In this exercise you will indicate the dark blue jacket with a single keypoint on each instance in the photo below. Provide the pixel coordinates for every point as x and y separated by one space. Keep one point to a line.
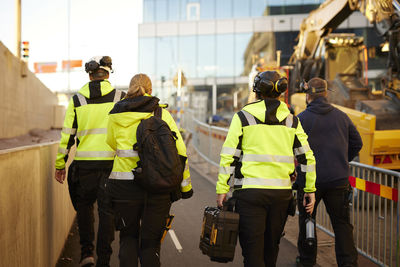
334 140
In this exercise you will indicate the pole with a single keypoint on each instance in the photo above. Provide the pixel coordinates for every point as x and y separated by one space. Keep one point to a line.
183 107
18 27
69 44
214 99
235 99
278 58
179 97
209 148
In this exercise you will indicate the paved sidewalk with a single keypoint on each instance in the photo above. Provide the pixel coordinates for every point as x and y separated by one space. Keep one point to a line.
187 230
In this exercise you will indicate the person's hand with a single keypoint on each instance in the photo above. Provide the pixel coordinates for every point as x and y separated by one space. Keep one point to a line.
60 176
221 199
309 206
293 176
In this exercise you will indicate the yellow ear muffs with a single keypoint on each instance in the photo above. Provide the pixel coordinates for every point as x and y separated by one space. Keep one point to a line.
281 85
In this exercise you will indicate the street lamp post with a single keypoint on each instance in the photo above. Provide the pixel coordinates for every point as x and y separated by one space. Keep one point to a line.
18 27
179 97
69 45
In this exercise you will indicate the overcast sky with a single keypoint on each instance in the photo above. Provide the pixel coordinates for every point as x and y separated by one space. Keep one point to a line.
97 27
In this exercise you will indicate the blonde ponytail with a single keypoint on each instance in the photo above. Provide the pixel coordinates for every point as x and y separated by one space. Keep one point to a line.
140 84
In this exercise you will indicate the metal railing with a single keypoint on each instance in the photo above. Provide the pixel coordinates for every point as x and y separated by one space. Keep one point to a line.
210 137
374 211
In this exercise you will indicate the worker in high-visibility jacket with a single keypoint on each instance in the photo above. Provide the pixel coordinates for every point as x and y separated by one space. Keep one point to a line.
85 122
140 214
257 159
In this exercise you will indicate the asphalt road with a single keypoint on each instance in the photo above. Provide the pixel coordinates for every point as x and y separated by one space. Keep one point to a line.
187 228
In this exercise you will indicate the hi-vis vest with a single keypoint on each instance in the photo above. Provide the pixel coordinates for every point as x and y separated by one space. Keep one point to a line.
86 119
122 126
260 149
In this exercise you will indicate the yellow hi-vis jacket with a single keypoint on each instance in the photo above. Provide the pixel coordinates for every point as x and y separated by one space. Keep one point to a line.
260 149
86 119
123 122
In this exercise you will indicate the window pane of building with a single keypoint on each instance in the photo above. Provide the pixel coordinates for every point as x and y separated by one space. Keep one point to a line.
224 9
275 3
296 2
147 57
148 10
307 2
173 10
207 9
225 55
206 56
257 8
241 8
193 11
187 55
241 42
291 7
285 41
166 62
161 10
182 14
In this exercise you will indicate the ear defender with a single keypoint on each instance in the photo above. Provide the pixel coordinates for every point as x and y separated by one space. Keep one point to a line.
95 63
281 85
267 85
264 85
91 66
256 81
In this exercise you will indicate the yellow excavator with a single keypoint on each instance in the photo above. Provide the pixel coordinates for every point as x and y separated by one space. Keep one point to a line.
342 60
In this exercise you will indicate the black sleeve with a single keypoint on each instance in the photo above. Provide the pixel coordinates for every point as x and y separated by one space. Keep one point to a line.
355 141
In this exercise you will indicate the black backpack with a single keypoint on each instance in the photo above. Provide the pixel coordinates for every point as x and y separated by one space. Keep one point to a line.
160 168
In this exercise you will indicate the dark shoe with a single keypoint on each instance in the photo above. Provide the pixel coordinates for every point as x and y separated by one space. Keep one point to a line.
300 264
87 261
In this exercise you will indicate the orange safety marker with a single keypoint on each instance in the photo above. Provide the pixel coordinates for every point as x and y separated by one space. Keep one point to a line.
213 135
374 188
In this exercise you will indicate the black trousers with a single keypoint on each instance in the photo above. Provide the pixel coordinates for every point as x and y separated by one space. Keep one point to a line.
263 214
336 201
86 187
141 222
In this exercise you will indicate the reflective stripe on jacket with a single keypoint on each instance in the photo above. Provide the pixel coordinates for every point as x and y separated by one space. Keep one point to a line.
121 136
86 119
260 149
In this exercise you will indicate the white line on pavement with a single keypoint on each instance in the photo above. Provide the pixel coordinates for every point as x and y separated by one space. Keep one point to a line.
175 240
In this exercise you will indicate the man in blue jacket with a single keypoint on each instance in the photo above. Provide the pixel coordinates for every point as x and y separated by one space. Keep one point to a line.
335 141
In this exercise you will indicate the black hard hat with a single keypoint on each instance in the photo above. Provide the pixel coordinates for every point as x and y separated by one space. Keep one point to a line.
95 63
270 84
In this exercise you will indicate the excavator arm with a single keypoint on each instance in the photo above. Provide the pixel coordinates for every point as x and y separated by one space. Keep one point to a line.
318 24
330 14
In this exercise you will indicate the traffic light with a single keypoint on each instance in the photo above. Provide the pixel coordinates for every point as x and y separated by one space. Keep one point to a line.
25 50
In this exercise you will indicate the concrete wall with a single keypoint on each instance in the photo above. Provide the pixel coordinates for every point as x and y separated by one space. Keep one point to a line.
35 210
26 103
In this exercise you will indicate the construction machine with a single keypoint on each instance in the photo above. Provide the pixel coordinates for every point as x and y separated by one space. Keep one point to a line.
342 60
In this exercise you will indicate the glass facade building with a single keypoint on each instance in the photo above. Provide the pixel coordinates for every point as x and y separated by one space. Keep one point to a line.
214 42
213 54
182 10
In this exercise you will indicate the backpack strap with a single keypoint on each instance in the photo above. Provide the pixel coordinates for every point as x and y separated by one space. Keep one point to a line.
158 112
